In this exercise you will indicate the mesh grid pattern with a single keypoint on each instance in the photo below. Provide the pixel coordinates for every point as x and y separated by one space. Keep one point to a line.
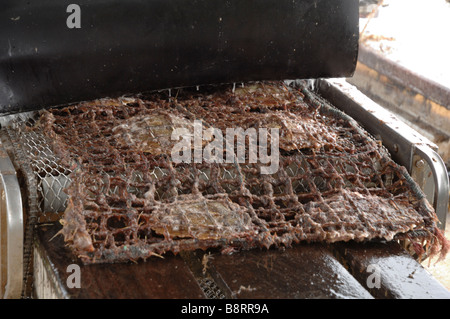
33 155
210 289
127 200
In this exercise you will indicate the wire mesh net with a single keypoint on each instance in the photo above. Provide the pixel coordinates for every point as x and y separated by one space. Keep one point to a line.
109 166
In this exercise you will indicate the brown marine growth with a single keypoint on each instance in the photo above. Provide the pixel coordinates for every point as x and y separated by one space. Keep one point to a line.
128 200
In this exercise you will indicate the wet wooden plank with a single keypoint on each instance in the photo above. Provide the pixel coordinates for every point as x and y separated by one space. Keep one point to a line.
166 278
304 271
388 271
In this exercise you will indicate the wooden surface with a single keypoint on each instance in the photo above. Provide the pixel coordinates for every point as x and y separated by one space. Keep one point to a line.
158 278
303 271
401 277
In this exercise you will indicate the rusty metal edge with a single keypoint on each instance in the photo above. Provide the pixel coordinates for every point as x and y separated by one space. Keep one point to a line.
414 81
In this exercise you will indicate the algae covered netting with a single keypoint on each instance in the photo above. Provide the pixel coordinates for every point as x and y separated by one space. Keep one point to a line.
274 165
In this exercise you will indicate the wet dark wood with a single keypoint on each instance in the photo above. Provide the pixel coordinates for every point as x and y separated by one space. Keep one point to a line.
305 271
156 278
342 270
400 275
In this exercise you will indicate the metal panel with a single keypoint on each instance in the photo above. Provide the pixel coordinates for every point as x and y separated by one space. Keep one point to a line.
440 192
11 222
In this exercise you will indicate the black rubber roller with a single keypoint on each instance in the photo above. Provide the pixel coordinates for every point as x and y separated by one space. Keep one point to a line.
53 54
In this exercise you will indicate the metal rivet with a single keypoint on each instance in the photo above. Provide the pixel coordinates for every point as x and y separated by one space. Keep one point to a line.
420 163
